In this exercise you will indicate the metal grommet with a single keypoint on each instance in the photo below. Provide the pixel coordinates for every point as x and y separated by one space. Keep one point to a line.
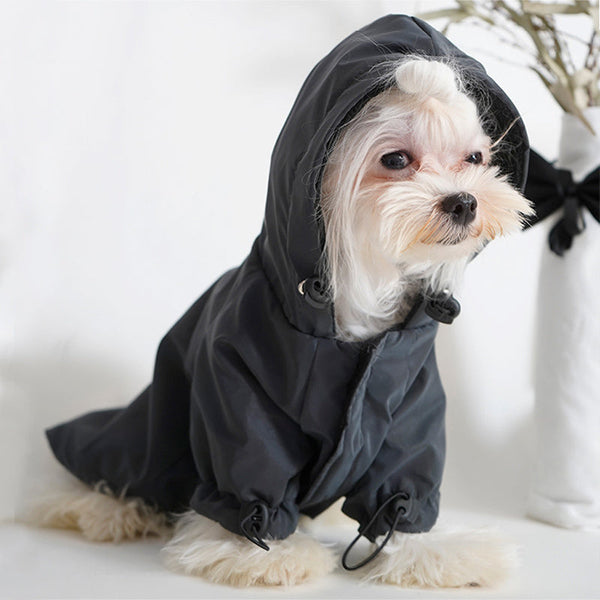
301 287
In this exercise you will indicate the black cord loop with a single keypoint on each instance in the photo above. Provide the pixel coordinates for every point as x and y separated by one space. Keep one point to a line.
254 523
402 506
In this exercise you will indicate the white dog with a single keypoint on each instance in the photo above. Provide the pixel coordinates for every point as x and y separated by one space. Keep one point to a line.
410 193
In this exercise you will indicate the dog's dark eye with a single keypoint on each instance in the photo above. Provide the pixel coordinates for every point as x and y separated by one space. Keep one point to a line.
396 160
475 158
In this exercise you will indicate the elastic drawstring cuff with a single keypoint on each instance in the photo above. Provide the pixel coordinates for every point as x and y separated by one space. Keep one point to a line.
254 522
400 506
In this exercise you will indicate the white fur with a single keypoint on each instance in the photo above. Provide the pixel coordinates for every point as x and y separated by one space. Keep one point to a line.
443 559
202 547
427 79
101 517
387 239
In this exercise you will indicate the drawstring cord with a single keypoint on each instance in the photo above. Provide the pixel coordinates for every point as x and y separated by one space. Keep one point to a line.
402 506
254 524
255 521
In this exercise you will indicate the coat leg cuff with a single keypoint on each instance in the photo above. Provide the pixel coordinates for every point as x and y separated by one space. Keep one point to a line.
253 518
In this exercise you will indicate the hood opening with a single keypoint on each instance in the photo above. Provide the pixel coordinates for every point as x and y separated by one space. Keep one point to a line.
291 242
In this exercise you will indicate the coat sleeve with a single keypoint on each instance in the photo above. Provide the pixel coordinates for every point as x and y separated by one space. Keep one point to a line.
246 448
410 462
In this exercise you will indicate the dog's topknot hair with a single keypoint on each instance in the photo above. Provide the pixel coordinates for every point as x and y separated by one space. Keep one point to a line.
427 79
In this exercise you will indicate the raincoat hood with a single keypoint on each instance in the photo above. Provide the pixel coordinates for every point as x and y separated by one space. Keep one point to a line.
291 242
256 413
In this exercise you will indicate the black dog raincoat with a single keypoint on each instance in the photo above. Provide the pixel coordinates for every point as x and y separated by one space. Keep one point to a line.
256 413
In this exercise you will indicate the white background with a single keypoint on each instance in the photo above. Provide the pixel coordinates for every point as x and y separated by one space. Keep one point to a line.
134 149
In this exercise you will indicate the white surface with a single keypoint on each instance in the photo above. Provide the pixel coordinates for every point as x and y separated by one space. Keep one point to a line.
134 152
58 564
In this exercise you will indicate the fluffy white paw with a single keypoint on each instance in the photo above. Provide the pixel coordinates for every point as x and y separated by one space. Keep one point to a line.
204 548
99 516
444 559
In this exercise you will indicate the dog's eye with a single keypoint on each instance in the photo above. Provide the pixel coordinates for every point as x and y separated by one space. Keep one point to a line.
396 160
475 158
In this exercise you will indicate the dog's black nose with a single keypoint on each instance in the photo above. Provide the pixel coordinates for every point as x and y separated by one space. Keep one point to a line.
462 207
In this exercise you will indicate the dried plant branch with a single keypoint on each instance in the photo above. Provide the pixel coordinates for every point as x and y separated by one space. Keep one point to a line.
553 8
572 87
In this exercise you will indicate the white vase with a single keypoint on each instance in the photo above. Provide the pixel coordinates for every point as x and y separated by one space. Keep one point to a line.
566 480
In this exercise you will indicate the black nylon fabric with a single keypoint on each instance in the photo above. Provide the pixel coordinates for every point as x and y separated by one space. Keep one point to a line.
252 397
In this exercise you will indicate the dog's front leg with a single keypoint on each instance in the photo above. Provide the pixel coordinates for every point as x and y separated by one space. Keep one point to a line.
443 559
202 547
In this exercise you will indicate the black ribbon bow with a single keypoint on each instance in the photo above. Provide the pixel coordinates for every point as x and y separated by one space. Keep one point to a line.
550 189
